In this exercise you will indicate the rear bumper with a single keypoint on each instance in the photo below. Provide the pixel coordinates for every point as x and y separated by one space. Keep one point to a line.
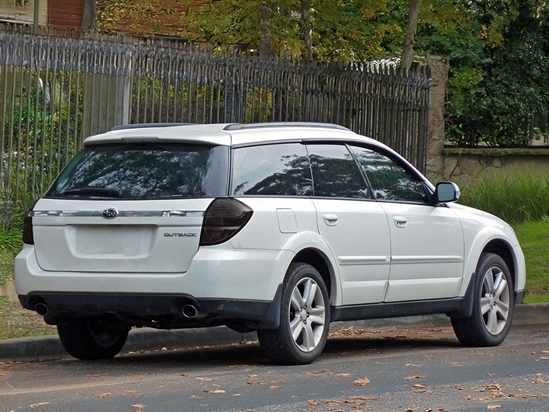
164 311
216 273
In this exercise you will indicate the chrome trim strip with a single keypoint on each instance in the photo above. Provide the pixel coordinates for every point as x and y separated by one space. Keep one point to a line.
122 213
401 260
362 260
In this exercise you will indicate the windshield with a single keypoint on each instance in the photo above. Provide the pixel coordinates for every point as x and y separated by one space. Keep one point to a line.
144 171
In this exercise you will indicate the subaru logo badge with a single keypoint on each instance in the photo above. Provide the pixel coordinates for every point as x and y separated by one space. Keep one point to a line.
109 213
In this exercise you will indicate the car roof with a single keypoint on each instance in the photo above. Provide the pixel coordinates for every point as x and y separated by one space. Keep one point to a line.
227 133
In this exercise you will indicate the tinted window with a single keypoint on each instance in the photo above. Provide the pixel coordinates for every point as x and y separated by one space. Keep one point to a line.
147 171
388 179
279 170
335 173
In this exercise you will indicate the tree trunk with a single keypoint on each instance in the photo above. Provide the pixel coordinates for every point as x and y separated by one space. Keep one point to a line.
307 28
411 28
266 37
89 16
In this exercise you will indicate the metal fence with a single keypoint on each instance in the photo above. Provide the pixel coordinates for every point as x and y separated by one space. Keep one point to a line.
57 90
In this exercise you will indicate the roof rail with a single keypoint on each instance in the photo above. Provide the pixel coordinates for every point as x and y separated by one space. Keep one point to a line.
146 125
246 126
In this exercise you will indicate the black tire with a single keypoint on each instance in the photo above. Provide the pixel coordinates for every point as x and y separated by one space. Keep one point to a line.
307 315
92 338
493 305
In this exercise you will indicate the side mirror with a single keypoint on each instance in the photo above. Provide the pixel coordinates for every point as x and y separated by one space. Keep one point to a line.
447 192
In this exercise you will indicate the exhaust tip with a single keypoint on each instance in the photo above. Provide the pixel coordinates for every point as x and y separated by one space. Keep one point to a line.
189 311
41 309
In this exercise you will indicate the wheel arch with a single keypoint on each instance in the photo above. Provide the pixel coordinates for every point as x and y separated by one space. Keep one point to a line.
505 251
320 262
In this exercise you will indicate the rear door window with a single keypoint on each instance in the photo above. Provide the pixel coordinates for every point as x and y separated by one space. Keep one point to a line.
145 171
272 170
335 172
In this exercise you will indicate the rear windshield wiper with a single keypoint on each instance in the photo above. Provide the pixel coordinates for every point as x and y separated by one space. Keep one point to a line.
92 191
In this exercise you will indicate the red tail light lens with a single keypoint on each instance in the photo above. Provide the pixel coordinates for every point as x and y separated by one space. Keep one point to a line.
28 236
223 219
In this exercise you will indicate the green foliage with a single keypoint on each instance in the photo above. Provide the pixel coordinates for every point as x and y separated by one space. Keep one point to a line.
534 240
522 197
46 120
499 86
342 30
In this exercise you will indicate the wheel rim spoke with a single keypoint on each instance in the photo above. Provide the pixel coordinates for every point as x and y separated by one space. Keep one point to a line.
309 341
297 299
489 282
316 315
296 326
501 287
492 322
307 314
485 305
310 293
494 303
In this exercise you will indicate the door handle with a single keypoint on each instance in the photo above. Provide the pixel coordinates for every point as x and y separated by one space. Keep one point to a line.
400 221
330 219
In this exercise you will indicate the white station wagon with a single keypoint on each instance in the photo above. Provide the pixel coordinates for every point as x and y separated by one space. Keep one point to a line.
280 228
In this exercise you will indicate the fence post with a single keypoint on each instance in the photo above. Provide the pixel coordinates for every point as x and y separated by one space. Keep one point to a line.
435 142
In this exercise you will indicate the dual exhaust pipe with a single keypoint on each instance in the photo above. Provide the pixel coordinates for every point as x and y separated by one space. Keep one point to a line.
189 311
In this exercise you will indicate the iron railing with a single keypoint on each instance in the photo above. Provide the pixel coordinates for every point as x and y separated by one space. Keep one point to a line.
56 90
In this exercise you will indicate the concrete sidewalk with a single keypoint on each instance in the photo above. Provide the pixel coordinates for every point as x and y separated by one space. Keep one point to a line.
49 347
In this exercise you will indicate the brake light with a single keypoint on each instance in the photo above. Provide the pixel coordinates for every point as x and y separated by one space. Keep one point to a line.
28 236
223 219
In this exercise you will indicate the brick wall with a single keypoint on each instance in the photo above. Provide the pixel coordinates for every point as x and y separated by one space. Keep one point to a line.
65 14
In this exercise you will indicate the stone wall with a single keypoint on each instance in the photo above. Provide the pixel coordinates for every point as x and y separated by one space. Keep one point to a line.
464 166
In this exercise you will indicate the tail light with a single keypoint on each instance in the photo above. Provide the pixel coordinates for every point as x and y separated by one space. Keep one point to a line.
28 236
223 219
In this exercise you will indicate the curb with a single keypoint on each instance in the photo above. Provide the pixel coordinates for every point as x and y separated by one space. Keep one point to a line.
49 347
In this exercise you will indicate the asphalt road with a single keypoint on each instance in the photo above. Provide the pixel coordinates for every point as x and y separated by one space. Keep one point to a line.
401 369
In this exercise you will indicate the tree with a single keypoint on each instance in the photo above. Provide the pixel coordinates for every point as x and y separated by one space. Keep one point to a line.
89 16
411 28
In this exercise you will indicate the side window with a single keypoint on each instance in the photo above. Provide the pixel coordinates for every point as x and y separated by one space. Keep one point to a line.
273 170
335 172
388 179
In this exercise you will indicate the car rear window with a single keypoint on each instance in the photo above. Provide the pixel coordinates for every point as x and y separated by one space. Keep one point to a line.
145 171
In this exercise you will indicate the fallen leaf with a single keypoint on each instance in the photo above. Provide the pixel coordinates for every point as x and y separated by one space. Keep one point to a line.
104 395
37 405
129 392
412 365
256 383
274 387
493 407
422 388
139 406
362 398
362 382
409 378
205 379
312 402
236 395
214 391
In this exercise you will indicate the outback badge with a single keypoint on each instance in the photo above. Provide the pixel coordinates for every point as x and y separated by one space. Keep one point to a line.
109 213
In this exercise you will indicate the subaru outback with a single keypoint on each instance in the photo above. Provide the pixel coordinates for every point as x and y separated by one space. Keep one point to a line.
279 228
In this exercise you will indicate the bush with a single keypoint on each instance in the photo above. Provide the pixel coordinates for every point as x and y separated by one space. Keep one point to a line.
521 197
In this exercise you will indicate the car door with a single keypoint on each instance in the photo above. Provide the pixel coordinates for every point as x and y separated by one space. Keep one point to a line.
427 250
354 225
